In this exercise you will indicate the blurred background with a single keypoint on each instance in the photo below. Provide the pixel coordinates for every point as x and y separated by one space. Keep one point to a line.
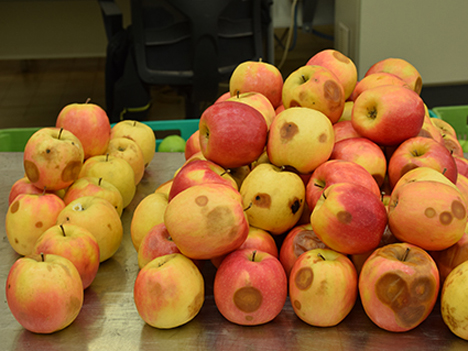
53 52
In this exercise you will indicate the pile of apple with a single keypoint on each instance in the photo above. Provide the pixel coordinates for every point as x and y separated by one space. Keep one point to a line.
64 215
320 186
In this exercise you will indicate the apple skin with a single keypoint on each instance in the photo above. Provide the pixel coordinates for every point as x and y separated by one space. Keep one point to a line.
44 292
53 158
401 68
257 76
207 220
462 186
429 214
338 171
429 130
364 152
443 126
349 218
169 291
274 199
453 307
452 144
341 65
423 173
378 111
259 101
130 151
298 240
74 243
462 165
140 133
28 217
315 87
199 172
24 186
192 146
157 242
89 123
250 287
398 288
323 287
420 151
301 138
232 134
345 130
99 217
93 186
375 80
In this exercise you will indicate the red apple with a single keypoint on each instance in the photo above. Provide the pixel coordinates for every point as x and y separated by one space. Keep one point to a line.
452 144
345 130
24 186
232 134
250 287
157 242
462 165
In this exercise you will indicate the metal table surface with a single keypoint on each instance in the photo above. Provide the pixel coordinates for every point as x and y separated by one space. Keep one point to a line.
109 319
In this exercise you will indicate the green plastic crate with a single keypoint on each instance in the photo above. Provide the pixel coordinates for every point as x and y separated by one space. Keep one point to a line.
15 139
456 116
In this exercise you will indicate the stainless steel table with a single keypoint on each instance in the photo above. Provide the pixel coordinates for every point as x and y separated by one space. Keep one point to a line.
109 319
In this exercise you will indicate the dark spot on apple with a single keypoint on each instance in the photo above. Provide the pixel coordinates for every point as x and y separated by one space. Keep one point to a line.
218 219
262 200
71 171
16 241
201 200
445 218
323 138
304 278
392 290
294 103
14 207
344 217
429 212
74 304
196 304
295 206
458 209
31 170
48 151
248 299
249 318
306 240
288 131
423 289
109 226
39 224
297 304
340 57
333 94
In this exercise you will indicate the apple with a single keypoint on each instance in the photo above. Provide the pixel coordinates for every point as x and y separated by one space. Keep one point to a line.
315 87
349 218
398 286
444 127
207 220
199 172
452 144
53 158
453 307
24 186
323 287
239 174
402 69
89 123
435 221
298 240
172 143
462 186
259 101
462 165
28 216
157 242
429 130
129 151
232 134
338 171
99 217
376 79
345 130
169 291
260 77
140 133
93 186
148 213
74 243
388 114
273 198
279 109
301 138
250 287
341 65
364 152
192 146
44 292
420 151
115 170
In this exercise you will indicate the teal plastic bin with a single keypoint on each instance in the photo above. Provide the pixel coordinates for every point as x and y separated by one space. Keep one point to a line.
456 116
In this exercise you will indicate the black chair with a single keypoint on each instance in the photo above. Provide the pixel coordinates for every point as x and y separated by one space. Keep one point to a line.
192 45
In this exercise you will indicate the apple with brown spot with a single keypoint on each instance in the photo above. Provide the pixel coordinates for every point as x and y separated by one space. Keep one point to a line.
349 218
388 114
250 287
53 158
74 243
429 214
376 79
169 291
315 87
44 292
301 138
323 287
398 286
28 217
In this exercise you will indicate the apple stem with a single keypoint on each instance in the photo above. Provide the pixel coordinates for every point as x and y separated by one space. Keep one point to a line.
318 185
238 93
42 256
303 78
253 255
60 133
87 100
134 123
324 196
99 181
250 205
225 172
63 230
107 157
321 256
405 255
445 170
260 59
415 153
44 191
